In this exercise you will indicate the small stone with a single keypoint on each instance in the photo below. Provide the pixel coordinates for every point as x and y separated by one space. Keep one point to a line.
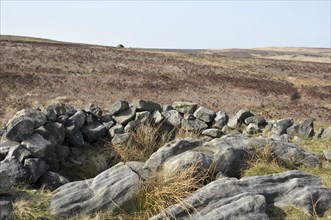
212 132
143 105
125 116
95 110
118 107
121 138
220 120
185 107
204 114
116 129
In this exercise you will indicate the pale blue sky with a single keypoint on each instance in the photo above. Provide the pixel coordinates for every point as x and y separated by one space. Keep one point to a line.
172 24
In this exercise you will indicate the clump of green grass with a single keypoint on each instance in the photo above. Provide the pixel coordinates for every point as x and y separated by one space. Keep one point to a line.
32 204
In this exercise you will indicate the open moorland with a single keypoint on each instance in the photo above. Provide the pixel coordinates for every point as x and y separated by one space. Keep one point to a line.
172 134
277 82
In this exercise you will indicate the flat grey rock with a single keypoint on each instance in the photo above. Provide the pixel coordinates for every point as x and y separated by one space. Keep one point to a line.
289 152
112 190
169 150
118 107
283 189
176 164
194 125
185 107
143 105
212 132
125 116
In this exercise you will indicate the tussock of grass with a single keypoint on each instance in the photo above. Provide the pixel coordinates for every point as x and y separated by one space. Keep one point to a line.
182 133
32 204
159 192
144 141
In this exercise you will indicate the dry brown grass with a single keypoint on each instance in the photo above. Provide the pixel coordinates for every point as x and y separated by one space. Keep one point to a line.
159 192
144 141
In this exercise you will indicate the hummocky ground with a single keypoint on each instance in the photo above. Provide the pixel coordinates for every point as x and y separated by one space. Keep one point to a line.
277 82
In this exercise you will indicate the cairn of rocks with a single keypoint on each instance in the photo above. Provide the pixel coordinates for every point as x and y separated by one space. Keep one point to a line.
36 144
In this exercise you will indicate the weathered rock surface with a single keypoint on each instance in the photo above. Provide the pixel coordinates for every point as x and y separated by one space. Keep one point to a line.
185 107
12 172
302 190
78 118
201 162
327 154
169 150
118 107
326 133
92 133
125 116
173 117
204 114
53 132
6 209
52 180
37 145
95 110
74 136
6 145
23 123
307 128
35 168
143 105
113 189
194 125
19 153
212 132
292 153
280 126
220 120
257 119
56 110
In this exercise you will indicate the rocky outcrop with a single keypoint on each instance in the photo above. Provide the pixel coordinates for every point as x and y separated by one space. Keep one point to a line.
248 197
36 145
113 189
